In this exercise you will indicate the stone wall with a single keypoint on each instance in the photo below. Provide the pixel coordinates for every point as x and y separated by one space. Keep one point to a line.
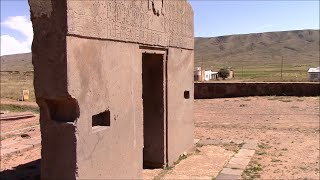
226 90
88 65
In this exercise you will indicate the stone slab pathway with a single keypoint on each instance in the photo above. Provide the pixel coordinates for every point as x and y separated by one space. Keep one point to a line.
239 162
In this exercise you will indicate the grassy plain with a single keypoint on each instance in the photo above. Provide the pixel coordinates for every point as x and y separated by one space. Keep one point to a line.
13 83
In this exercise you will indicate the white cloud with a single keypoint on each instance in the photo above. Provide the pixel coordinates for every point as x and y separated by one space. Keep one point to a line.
12 45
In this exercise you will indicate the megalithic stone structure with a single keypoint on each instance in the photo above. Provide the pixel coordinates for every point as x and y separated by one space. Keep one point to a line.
114 82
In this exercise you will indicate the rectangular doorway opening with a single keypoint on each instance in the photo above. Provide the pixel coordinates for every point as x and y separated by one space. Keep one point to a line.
153 111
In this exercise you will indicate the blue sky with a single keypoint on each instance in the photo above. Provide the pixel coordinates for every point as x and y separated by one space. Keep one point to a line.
217 18
212 18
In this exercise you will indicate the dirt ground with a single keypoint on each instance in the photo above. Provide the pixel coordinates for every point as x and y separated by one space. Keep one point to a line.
287 129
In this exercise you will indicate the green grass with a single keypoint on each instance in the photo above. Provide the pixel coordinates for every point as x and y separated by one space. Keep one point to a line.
264 146
12 84
269 73
252 171
275 160
260 153
169 168
19 108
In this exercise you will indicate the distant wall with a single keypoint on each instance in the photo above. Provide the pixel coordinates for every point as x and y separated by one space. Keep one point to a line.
225 90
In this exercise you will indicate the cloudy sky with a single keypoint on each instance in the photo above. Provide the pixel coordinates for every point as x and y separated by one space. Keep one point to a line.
212 18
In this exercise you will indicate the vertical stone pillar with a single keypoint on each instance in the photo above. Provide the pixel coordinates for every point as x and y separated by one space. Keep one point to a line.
58 110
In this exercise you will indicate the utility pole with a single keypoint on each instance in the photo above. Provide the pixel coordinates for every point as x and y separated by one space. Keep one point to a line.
281 67
242 71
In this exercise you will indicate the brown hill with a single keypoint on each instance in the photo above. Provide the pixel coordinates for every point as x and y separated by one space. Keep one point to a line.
299 48
17 62
263 50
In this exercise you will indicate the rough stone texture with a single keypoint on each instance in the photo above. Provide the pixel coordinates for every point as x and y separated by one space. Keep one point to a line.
238 163
204 164
87 58
227 177
205 142
250 144
226 90
245 153
229 171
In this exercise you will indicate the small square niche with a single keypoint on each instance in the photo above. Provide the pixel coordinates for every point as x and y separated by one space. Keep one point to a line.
186 94
101 119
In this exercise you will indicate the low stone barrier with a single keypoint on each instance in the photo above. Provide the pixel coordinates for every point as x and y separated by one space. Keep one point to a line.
244 89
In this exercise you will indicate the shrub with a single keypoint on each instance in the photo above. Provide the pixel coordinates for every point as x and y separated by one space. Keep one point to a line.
224 73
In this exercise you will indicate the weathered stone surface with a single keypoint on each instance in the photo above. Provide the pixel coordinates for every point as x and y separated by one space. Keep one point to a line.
245 153
250 144
89 59
229 171
238 141
227 177
209 142
158 22
238 163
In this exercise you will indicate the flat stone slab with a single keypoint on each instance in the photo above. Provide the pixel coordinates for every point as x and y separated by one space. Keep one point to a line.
204 164
20 147
229 171
250 144
226 141
227 177
238 163
238 141
245 153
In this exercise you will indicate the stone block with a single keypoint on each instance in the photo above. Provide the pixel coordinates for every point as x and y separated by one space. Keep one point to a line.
114 83
229 171
245 153
227 177
238 163
205 142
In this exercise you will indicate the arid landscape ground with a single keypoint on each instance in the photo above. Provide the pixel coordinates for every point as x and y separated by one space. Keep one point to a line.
286 128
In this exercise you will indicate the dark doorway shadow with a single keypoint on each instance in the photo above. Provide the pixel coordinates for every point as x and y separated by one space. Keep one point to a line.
29 170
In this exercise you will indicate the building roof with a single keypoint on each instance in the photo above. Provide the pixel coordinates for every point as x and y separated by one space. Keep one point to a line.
314 70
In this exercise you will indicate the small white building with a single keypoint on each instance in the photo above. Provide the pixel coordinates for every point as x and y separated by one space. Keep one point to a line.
314 74
208 75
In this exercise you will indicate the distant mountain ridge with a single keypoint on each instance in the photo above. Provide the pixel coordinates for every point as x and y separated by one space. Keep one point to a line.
297 47
17 62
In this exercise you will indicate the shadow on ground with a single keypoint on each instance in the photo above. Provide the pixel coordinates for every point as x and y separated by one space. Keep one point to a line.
29 170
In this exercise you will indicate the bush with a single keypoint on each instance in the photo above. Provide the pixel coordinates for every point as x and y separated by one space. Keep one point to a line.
224 73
